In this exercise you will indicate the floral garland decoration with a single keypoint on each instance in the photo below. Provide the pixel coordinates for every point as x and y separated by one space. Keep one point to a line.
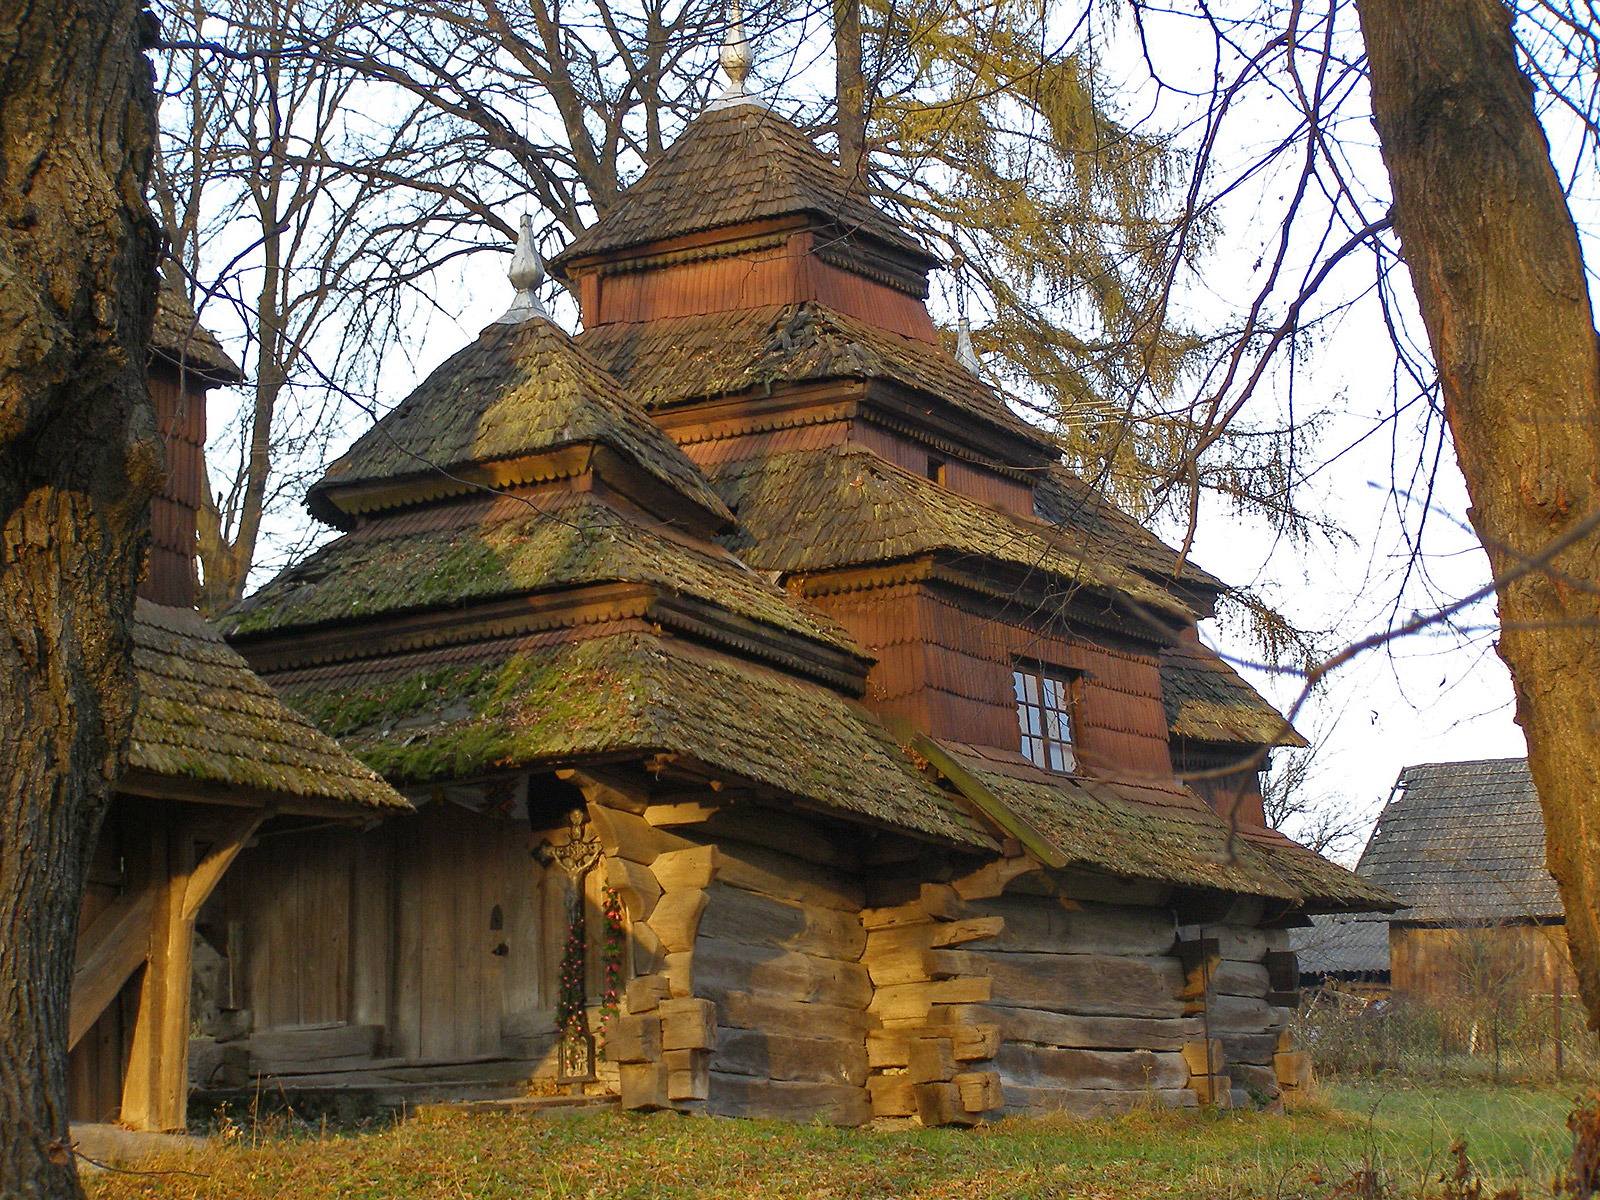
570 1002
611 958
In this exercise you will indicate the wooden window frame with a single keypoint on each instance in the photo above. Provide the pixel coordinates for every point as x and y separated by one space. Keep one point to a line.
1047 701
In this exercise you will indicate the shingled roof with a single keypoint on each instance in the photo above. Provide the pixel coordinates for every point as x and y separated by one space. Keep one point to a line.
674 360
487 547
730 166
1062 497
550 700
1152 830
1208 701
1463 842
204 717
178 339
844 505
518 390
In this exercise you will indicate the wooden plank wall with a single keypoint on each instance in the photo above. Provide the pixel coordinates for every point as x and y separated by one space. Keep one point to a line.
1430 965
712 452
98 1062
440 931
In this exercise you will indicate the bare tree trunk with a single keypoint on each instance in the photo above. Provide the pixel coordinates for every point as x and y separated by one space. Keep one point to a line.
850 86
79 460
1499 277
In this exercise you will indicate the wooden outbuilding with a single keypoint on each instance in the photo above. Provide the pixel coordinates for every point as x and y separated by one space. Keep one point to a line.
789 727
216 763
1461 845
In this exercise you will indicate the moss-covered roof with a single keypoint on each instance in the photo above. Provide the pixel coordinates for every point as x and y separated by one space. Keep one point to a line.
731 166
178 339
1208 701
840 506
1327 886
1162 832
1062 498
479 549
679 359
518 390
205 717
546 700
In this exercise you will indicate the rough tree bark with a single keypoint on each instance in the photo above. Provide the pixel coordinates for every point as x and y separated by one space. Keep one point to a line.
1499 277
850 89
79 460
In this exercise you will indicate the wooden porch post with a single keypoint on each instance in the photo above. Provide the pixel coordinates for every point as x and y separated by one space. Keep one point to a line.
155 1091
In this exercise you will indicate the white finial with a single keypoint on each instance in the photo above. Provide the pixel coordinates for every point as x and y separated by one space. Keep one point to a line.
736 58
526 274
965 354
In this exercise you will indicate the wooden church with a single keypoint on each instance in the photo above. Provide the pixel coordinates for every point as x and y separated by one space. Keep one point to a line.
790 733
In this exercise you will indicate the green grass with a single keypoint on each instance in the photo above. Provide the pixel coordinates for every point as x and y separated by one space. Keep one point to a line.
1514 1136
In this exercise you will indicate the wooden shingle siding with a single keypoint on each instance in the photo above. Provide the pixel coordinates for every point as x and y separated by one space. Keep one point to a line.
785 274
181 418
989 487
713 452
951 665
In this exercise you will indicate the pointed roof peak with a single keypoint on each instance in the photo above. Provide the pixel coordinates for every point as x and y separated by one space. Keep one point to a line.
734 164
524 389
526 274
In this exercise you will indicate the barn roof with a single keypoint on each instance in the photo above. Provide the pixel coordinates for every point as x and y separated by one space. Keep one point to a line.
844 505
550 699
1463 842
204 717
731 166
1208 701
178 339
518 390
674 360
1343 944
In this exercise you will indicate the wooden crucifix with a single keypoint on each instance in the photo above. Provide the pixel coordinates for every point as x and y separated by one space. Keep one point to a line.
576 857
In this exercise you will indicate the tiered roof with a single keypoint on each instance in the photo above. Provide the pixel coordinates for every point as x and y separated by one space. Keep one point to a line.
1208 701
431 696
675 360
733 166
846 506
621 691
491 414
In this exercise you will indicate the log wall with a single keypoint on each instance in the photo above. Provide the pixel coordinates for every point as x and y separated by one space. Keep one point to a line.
1243 984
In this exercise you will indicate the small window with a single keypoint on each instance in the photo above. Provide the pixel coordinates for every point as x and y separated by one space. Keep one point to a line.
936 470
1044 713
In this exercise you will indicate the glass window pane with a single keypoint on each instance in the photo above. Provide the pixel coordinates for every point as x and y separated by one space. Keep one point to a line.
1031 682
1052 697
1017 683
1059 759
